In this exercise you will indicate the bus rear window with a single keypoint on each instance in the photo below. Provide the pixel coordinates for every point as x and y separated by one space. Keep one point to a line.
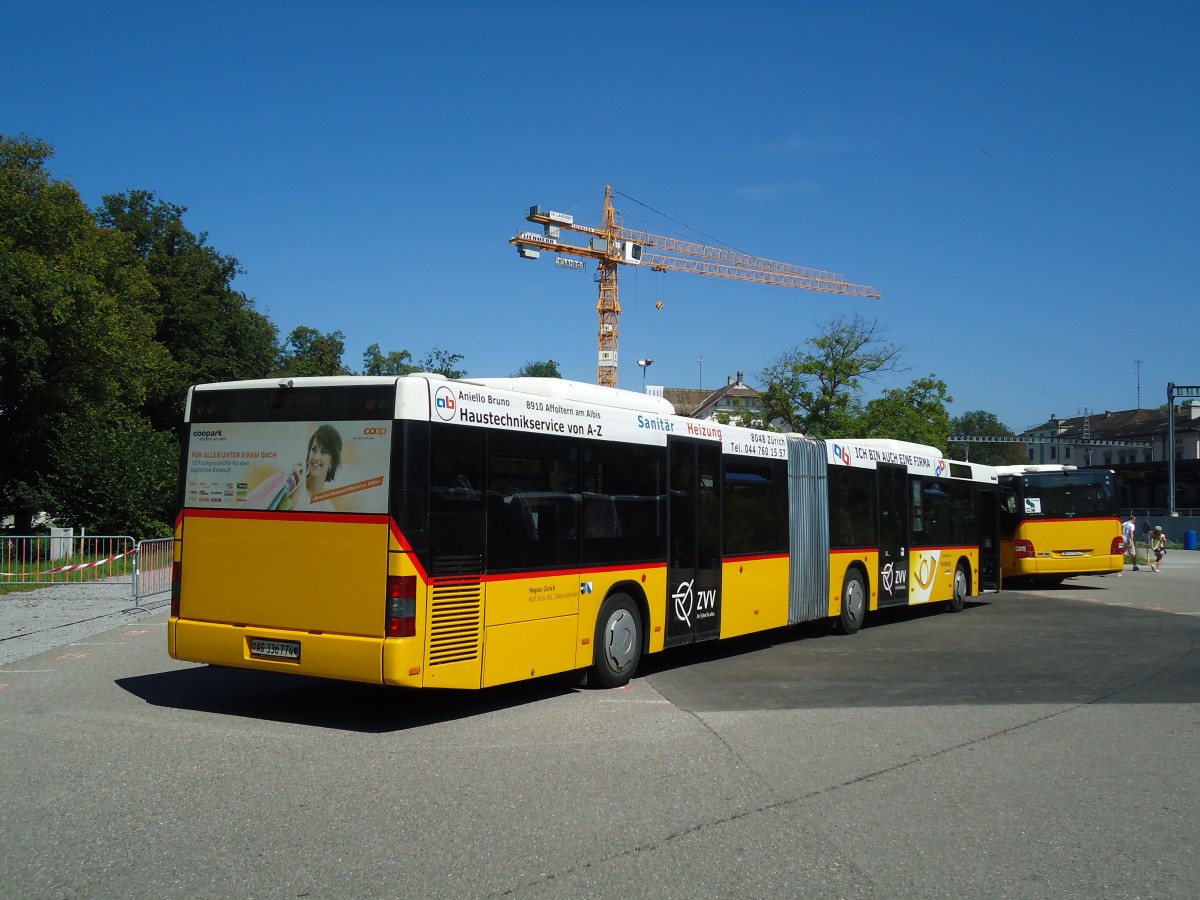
294 404
1069 494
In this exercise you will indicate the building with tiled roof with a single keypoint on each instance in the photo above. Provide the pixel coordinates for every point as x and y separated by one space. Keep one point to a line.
734 403
1116 440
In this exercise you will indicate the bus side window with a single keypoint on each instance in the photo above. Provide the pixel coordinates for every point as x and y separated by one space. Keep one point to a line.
623 502
852 507
533 504
456 497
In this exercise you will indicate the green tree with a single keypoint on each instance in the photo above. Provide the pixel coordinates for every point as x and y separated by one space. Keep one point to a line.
914 413
75 331
308 352
396 362
211 330
546 369
443 362
812 388
112 473
979 423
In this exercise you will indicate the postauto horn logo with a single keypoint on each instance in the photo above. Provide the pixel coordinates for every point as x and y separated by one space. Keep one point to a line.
443 402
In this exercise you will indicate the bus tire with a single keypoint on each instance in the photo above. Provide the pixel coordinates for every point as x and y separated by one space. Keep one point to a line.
618 644
962 590
854 604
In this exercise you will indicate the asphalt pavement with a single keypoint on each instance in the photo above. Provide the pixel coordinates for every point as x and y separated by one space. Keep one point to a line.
1039 743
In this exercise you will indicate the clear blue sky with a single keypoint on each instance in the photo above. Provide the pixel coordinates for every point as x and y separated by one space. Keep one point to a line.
1019 179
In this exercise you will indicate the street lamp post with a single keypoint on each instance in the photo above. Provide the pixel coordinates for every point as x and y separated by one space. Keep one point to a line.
645 364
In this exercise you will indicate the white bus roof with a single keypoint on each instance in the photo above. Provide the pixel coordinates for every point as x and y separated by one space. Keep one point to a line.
595 394
556 388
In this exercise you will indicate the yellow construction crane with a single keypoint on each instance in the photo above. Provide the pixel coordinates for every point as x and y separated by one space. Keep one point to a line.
612 245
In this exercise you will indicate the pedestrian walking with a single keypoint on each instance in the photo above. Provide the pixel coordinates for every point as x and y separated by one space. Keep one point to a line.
1129 532
1158 544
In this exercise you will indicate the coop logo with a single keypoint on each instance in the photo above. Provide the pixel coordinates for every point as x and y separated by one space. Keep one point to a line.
842 453
374 431
443 402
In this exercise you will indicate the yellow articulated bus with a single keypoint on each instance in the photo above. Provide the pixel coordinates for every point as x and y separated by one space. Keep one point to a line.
423 532
1058 522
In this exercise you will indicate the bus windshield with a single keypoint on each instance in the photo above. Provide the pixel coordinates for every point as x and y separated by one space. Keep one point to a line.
1068 494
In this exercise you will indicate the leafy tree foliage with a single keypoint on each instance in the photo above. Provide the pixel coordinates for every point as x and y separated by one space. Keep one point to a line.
914 413
396 362
75 330
113 473
443 362
212 332
546 369
980 423
308 352
812 388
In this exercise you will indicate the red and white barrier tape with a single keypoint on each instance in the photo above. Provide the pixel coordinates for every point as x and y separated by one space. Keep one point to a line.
75 568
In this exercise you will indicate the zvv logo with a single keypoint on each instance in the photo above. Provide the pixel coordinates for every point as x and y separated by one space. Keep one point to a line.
895 578
683 602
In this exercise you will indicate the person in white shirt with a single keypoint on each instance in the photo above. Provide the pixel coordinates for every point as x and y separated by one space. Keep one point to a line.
1129 532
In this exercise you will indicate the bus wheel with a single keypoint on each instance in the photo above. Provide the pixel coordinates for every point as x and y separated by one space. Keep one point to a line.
618 641
962 590
854 604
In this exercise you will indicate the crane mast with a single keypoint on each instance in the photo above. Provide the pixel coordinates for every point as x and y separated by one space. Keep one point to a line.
613 245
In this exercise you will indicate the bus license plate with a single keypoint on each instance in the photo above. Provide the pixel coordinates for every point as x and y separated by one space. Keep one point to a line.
274 649
1071 553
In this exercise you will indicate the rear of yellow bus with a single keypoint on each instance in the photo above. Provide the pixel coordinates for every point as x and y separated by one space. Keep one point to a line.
1060 522
286 559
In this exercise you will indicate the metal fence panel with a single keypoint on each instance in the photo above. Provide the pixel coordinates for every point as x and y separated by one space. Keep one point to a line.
67 559
153 568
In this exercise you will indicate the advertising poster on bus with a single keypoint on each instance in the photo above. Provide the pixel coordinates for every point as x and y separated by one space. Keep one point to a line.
329 467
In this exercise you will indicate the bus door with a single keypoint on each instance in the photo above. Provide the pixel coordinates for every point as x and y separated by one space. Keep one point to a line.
893 535
694 522
989 540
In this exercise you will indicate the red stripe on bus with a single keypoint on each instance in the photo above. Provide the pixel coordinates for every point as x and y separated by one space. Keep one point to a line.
754 557
567 573
272 516
399 536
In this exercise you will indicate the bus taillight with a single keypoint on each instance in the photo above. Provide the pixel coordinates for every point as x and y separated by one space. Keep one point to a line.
176 582
1023 550
401 620
1118 546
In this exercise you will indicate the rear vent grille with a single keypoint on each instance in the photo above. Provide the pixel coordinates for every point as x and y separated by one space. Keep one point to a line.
456 619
